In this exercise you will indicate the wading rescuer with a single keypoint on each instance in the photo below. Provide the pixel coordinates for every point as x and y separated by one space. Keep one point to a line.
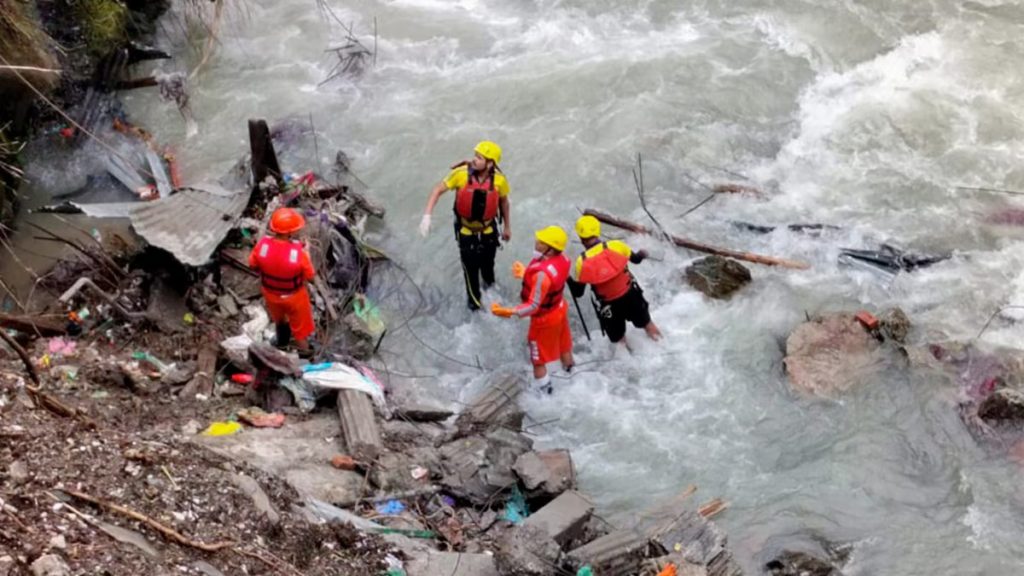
605 267
284 268
544 279
481 199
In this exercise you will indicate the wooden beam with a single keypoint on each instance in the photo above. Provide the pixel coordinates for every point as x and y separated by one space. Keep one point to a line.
699 247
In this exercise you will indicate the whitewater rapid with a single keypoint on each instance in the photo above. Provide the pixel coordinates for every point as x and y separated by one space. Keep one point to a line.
859 114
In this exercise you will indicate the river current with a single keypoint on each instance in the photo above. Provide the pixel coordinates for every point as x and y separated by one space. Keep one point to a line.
862 114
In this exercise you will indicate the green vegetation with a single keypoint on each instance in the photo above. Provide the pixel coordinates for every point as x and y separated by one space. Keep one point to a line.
105 23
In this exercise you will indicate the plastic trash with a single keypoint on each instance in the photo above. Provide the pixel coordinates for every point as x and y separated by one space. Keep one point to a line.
189 318
585 571
147 357
516 509
670 570
390 508
369 314
222 429
61 347
242 378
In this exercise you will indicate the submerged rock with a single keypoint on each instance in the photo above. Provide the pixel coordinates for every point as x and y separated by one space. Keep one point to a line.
717 277
1003 405
791 563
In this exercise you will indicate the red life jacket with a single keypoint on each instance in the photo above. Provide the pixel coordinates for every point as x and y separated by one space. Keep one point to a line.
557 270
477 202
608 272
280 265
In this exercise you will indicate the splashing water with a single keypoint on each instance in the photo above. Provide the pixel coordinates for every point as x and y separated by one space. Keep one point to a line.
864 115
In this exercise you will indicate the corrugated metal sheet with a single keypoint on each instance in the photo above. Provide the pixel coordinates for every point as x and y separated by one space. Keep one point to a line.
191 223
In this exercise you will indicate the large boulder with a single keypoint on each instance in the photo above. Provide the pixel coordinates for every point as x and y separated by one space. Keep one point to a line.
831 354
717 277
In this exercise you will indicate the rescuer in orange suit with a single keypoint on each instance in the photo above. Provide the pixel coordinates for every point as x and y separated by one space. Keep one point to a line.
605 267
544 279
284 268
481 199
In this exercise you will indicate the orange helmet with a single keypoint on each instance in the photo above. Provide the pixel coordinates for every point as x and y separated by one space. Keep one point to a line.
286 221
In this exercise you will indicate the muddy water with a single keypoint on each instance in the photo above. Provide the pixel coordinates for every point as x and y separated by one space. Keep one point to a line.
861 114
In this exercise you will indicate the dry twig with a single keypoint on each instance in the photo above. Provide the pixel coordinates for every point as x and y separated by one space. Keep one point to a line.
168 533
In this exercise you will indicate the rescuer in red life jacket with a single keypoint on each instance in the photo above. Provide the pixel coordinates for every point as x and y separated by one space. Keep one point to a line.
605 267
284 268
544 279
481 198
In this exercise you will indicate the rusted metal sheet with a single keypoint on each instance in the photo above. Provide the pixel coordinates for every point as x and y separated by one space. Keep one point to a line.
191 223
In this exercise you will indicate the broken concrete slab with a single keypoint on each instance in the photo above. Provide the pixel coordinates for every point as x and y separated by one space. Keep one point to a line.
618 553
477 468
359 425
452 564
698 540
564 517
400 433
549 472
393 472
496 406
417 412
300 453
527 551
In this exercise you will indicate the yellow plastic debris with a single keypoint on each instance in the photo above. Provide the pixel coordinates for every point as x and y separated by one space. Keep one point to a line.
222 429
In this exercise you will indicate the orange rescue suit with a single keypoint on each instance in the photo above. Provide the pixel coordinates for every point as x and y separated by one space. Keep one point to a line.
284 268
608 272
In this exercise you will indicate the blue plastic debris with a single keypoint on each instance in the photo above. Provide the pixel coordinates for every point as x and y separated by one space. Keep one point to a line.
390 508
516 510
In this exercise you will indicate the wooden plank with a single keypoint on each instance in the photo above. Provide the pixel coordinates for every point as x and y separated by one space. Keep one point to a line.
33 325
699 247
202 382
359 425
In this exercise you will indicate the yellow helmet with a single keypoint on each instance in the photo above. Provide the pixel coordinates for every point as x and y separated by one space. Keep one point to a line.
489 150
554 237
588 227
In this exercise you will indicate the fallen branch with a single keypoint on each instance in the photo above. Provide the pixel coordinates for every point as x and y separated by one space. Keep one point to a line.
38 396
29 324
712 508
692 245
168 533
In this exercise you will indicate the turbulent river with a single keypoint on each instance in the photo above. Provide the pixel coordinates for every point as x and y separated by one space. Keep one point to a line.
863 114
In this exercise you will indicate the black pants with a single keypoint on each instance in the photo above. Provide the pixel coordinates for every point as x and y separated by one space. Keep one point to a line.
477 252
632 307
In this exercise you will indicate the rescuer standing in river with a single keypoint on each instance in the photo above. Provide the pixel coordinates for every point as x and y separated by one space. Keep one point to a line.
481 199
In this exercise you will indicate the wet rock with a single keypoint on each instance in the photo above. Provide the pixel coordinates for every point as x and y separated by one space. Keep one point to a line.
1001 405
50 565
17 472
831 354
527 551
717 277
791 563
547 473
895 325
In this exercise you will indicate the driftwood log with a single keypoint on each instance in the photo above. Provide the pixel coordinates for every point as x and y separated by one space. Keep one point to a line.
699 247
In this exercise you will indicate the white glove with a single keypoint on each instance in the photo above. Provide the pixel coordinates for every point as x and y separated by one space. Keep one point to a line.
425 225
